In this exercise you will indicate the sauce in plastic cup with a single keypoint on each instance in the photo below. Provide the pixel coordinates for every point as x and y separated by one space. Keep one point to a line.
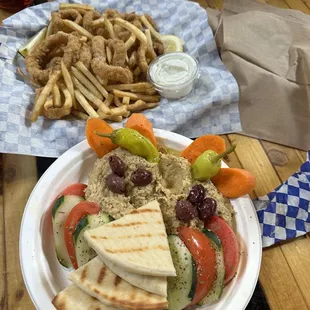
173 74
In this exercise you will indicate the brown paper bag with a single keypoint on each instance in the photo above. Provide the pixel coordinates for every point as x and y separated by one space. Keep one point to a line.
268 52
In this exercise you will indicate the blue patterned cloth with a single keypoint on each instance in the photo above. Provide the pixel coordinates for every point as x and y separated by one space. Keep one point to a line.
285 212
211 108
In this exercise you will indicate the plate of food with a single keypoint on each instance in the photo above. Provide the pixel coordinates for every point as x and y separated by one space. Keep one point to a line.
141 218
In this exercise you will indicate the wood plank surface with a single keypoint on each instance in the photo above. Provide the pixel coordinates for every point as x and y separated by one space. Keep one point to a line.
19 178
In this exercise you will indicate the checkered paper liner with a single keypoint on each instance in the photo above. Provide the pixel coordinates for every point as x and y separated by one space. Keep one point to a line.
285 212
211 108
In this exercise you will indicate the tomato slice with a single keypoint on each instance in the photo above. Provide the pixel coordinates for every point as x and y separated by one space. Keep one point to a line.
204 255
81 209
229 243
76 189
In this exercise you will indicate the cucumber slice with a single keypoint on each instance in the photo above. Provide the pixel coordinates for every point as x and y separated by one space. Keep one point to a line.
84 253
30 45
218 285
182 288
61 209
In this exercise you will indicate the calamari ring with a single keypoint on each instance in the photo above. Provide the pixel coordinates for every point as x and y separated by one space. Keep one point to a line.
57 19
88 19
118 50
158 47
101 68
85 55
36 61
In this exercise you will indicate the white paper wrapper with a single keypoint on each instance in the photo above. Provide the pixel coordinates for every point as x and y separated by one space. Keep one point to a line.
212 107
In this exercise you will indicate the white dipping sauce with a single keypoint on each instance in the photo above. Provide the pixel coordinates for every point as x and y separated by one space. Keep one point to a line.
173 74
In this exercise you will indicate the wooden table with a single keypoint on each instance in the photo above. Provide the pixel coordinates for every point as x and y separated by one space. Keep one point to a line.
285 270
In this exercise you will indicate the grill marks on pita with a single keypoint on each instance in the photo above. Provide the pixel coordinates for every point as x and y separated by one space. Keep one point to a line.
136 242
113 290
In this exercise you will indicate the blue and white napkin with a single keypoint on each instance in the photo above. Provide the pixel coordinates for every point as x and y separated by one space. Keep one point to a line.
285 212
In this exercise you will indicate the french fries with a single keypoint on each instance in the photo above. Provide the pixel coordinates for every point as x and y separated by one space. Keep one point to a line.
98 22
109 55
80 115
76 6
137 87
146 23
96 101
86 106
44 94
140 105
146 98
68 81
126 100
56 95
86 82
74 26
92 78
109 27
129 43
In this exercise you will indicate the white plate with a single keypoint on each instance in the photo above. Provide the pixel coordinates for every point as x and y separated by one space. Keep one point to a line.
45 277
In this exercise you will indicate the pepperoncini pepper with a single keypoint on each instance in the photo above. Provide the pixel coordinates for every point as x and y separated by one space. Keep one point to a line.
134 142
208 164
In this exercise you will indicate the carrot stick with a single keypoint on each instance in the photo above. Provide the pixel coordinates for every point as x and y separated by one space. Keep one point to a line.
234 182
139 122
204 143
100 145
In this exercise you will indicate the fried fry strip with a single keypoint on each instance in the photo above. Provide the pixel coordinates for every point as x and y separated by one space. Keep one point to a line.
126 100
114 118
148 37
87 7
119 111
133 29
86 82
146 98
44 94
109 27
117 101
80 115
109 55
86 106
96 101
49 103
149 26
140 105
98 22
92 78
72 25
136 87
68 81
129 43
57 98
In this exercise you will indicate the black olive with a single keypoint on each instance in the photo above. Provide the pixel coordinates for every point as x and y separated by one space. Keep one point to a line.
141 177
185 210
196 194
117 165
115 183
207 208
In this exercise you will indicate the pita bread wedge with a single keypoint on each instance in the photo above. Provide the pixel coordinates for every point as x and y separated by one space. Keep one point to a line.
97 280
136 242
152 284
74 298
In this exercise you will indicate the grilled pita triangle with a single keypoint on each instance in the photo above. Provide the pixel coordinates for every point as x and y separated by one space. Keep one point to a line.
136 242
152 284
74 298
97 280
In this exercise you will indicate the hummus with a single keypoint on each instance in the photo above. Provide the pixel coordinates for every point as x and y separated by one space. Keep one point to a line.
172 181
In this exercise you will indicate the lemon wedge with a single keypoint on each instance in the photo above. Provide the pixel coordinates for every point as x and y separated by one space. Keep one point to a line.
172 43
33 43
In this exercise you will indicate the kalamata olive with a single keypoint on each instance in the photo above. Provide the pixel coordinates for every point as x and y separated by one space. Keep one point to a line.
141 177
196 194
185 211
117 165
207 208
115 183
